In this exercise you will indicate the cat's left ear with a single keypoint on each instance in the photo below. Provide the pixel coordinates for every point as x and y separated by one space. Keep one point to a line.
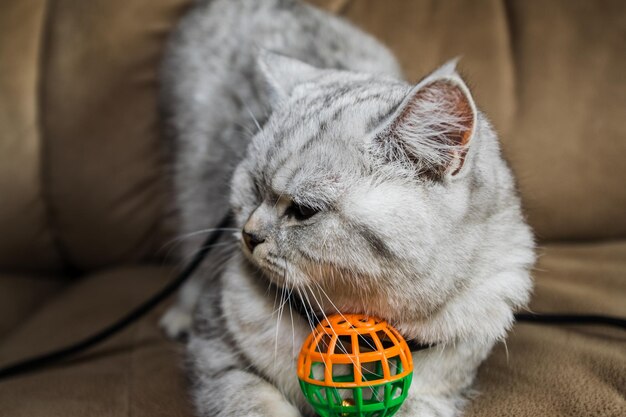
433 127
283 73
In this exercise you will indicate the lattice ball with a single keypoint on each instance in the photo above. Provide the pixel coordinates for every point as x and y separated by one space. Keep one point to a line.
355 366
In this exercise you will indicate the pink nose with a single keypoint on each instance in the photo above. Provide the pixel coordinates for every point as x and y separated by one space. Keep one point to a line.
252 240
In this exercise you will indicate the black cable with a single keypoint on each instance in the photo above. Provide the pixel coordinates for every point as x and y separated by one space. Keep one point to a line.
35 362
45 359
576 319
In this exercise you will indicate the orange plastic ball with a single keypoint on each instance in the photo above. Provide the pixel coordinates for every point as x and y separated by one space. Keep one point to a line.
355 365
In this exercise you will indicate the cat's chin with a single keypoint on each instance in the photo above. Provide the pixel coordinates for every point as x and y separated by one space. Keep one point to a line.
268 270
321 303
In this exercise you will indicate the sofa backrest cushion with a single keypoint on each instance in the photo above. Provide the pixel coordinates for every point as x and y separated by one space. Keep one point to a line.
26 241
550 75
82 183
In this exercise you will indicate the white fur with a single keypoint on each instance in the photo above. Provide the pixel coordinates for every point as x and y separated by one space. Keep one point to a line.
410 226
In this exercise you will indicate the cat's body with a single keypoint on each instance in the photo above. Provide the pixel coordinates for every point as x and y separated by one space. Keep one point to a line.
358 193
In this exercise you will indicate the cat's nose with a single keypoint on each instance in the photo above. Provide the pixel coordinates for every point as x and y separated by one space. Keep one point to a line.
251 240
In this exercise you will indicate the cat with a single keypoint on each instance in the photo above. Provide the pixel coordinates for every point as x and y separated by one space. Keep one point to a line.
350 189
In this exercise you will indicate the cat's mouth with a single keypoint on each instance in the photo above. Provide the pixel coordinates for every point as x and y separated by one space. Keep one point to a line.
310 287
272 267
311 301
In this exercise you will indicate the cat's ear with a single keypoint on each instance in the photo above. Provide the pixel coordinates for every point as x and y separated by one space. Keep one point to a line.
283 73
432 129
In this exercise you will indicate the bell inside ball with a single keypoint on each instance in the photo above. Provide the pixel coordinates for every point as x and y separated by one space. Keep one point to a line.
354 365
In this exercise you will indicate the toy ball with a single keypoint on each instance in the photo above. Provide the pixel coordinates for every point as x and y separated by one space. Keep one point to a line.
355 366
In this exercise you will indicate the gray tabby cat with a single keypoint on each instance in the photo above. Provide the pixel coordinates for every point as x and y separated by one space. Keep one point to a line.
357 193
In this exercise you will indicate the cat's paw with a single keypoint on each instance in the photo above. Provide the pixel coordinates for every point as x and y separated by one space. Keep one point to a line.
274 404
277 409
431 406
176 323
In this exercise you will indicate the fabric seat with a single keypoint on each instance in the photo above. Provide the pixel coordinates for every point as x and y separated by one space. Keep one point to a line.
138 372
548 370
21 295
541 370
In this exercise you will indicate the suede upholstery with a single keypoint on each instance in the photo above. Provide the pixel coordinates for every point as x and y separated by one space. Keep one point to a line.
27 242
541 371
84 195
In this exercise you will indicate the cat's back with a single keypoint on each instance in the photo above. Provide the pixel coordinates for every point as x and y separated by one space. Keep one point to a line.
211 56
213 95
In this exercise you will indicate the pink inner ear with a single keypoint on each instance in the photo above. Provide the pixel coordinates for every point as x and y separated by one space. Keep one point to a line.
434 128
451 99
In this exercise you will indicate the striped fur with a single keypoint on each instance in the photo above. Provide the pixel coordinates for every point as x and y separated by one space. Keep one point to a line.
407 210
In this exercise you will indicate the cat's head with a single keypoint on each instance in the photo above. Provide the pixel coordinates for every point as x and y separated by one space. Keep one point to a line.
371 195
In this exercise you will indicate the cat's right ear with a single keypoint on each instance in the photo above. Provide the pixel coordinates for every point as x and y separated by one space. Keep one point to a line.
283 73
432 129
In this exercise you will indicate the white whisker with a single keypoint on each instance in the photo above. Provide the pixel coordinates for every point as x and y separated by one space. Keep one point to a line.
337 309
256 122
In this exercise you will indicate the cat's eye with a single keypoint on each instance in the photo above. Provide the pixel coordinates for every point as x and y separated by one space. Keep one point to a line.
300 212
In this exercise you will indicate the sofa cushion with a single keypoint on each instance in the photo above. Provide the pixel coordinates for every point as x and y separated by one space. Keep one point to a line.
135 373
105 170
26 241
82 176
21 295
81 171
542 370
572 370
549 75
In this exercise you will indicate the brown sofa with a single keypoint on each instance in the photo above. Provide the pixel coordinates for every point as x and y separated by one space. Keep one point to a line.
83 199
